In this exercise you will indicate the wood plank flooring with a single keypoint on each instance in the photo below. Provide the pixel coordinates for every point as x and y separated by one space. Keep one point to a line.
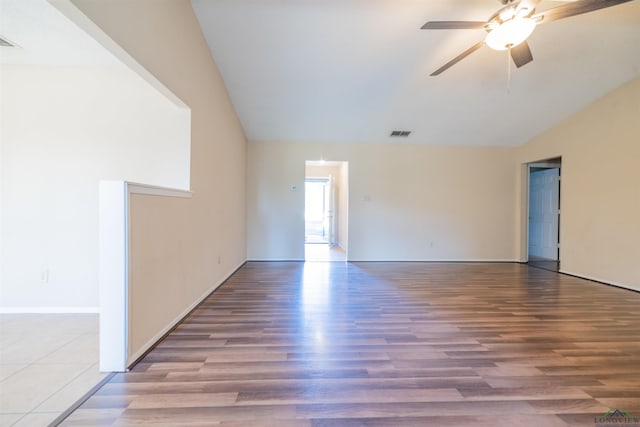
387 344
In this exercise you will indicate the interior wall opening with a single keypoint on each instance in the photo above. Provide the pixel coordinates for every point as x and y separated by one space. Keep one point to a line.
326 210
317 211
543 237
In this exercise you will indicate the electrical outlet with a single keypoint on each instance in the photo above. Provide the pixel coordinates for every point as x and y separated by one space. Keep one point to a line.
44 275
219 259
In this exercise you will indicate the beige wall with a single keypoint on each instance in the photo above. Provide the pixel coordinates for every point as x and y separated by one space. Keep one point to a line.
320 171
176 243
600 190
406 202
411 202
63 130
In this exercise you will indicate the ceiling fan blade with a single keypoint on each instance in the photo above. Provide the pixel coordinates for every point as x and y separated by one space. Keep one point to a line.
521 54
575 8
458 58
453 25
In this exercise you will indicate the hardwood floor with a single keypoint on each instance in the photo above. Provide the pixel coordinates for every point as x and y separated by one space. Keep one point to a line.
387 344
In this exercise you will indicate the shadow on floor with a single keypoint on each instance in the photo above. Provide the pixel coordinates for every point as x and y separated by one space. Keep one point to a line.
545 264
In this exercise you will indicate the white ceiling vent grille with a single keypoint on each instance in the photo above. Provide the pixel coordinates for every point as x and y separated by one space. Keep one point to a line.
400 133
5 43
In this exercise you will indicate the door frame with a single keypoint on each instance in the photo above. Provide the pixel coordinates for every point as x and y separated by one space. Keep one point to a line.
325 182
341 179
550 163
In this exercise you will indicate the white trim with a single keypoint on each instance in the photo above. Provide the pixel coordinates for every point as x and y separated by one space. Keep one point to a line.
113 274
114 217
433 260
524 215
387 260
608 282
49 310
154 190
153 340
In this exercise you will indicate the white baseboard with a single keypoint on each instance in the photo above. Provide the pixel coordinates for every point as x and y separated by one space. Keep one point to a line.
596 279
49 310
157 337
430 260
388 260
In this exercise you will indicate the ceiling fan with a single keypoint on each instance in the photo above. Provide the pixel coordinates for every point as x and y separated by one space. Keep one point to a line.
510 27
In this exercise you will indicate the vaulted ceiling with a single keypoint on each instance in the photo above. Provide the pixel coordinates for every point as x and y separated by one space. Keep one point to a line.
354 70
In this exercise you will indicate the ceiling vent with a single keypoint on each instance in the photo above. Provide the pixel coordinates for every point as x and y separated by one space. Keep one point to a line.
5 43
400 133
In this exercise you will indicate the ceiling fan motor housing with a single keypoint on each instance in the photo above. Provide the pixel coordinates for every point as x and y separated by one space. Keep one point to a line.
513 23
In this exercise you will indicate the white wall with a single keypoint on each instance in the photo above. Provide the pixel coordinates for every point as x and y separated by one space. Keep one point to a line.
64 129
600 189
406 202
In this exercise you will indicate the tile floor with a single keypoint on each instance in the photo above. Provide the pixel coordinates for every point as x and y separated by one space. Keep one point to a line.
47 363
323 252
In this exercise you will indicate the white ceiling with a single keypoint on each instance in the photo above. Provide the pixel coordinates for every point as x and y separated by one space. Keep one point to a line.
44 36
353 70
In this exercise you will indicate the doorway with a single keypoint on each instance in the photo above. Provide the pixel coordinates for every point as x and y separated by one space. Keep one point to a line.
317 210
326 210
544 214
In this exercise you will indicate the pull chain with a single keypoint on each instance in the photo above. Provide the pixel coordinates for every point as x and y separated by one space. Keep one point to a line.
509 70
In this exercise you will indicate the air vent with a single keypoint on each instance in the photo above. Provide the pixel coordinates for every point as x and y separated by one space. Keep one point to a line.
6 43
400 133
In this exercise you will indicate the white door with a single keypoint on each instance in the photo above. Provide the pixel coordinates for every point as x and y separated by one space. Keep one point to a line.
544 192
330 211
315 211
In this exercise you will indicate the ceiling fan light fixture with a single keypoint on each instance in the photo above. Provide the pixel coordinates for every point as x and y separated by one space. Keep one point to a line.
510 33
